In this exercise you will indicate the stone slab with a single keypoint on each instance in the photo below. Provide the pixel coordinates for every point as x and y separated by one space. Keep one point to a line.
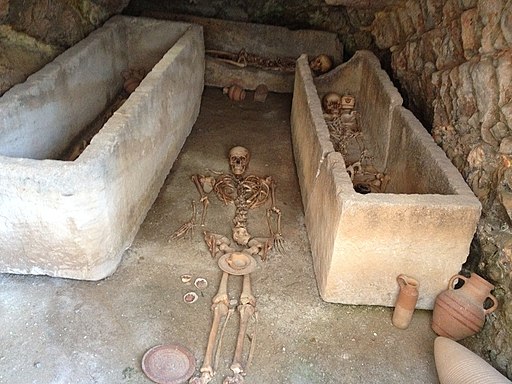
360 243
75 219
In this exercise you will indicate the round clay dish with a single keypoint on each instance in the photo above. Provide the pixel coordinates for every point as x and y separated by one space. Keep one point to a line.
237 263
168 364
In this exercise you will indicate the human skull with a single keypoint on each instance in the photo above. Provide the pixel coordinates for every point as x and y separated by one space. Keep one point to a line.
331 103
239 160
321 64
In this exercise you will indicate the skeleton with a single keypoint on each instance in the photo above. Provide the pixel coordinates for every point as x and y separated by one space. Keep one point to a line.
342 121
243 59
321 64
246 192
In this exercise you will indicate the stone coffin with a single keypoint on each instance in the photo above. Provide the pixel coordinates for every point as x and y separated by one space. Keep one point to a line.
263 40
74 219
421 227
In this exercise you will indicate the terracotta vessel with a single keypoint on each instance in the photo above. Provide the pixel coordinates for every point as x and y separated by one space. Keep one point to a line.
460 312
260 93
234 92
405 302
131 84
456 364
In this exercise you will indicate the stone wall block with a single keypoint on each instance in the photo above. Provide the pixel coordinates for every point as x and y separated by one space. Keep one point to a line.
386 29
466 105
492 36
451 11
40 19
466 4
430 45
506 113
504 76
500 131
37 17
426 50
485 86
414 58
441 118
407 24
4 10
415 14
470 32
445 95
450 52
506 22
433 12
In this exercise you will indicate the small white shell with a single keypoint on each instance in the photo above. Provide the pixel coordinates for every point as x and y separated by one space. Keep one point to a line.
201 283
186 278
190 297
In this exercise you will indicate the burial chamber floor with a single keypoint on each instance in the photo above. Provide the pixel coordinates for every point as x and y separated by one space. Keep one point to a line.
67 331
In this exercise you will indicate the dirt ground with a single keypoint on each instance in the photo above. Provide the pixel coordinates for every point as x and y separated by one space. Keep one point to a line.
65 331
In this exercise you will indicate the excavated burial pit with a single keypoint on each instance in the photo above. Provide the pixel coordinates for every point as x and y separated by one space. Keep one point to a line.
74 219
421 227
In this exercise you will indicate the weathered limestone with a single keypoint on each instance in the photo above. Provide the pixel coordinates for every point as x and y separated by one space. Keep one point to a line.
360 243
75 219
263 40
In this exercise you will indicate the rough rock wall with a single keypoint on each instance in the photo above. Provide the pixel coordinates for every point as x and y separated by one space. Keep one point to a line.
453 61
351 24
33 32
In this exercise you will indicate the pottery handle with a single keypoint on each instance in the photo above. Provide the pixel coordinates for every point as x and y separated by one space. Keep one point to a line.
452 280
404 280
401 279
494 305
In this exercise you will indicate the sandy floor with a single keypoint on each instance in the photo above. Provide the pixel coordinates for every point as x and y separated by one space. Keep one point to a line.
64 331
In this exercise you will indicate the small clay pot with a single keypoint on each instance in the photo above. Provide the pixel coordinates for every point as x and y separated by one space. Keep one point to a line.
131 84
234 92
260 93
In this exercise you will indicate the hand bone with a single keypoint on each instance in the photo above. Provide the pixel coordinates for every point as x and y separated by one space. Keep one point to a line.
217 243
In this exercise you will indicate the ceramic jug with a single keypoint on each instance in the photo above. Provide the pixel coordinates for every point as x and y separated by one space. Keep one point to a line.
460 312
405 302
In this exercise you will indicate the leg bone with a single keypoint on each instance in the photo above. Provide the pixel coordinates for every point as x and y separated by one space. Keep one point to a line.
246 309
220 308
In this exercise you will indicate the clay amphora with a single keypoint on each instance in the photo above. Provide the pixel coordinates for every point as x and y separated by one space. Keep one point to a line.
460 312
457 364
405 302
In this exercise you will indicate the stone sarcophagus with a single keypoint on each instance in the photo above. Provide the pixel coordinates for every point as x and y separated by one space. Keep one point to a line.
267 42
421 226
74 219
